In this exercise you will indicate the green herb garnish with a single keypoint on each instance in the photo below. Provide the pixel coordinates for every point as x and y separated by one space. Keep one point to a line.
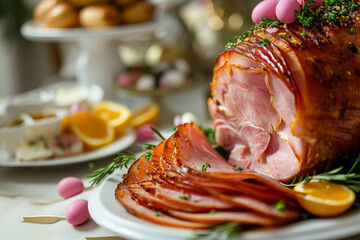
183 197
238 169
280 205
148 155
221 232
158 133
122 160
91 165
205 167
352 30
149 146
303 34
212 212
264 42
337 175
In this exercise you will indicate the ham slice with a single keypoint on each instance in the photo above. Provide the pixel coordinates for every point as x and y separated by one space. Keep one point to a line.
171 183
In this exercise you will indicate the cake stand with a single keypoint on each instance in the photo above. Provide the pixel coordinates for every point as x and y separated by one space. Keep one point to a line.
98 62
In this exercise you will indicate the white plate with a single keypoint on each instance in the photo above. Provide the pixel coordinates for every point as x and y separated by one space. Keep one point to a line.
33 31
113 148
107 212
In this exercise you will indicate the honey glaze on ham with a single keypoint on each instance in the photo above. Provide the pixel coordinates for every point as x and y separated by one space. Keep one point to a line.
285 108
170 188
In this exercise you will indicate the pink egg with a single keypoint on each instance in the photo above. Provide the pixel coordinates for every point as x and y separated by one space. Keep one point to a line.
144 133
265 9
125 79
77 212
285 10
177 120
314 5
70 186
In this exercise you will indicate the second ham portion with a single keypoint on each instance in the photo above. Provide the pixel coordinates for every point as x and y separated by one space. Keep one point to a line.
172 189
285 108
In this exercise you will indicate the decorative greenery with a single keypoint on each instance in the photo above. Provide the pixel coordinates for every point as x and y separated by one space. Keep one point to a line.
338 175
122 160
183 197
281 205
205 167
158 133
148 155
221 232
238 169
264 42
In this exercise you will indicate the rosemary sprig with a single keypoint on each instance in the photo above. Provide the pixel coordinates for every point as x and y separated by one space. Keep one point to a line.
221 232
122 160
205 167
158 133
337 175
149 146
148 155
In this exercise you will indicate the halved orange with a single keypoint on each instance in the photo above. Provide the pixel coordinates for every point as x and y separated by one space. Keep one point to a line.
116 115
91 130
146 114
324 199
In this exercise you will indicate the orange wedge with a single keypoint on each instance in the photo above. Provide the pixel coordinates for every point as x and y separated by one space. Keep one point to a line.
324 199
114 114
146 114
91 130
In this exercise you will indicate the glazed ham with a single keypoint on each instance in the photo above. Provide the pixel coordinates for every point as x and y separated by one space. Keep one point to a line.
173 189
284 108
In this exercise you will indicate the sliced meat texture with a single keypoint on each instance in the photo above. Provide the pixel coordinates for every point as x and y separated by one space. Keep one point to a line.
173 188
287 107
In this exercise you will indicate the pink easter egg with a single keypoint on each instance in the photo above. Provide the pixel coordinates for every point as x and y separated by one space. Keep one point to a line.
285 10
144 133
265 9
125 80
314 5
70 186
77 107
77 212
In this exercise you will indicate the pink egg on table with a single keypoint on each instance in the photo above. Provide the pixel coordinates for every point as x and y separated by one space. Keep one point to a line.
144 133
70 186
314 5
77 212
265 9
285 10
125 79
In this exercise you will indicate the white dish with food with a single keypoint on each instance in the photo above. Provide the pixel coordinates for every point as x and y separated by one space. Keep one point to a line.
117 146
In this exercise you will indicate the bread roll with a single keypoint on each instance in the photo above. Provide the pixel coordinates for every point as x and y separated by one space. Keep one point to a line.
43 8
137 13
62 15
99 16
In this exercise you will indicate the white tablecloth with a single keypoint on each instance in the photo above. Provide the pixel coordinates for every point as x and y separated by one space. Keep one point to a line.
39 184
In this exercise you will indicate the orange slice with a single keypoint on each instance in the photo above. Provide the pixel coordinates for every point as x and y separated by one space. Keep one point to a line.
114 114
324 199
91 130
146 114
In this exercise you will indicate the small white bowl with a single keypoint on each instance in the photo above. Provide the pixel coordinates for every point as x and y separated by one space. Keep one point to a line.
30 129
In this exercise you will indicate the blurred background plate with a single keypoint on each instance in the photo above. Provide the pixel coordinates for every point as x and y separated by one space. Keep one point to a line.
117 146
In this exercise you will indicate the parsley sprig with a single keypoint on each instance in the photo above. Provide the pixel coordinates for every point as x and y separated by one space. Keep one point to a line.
264 23
225 231
122 160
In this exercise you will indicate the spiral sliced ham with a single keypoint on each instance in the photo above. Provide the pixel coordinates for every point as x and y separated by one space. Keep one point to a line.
173 183
285 108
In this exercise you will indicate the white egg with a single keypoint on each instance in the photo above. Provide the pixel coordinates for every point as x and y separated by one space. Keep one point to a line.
182 66
146 82
173 79
189 117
